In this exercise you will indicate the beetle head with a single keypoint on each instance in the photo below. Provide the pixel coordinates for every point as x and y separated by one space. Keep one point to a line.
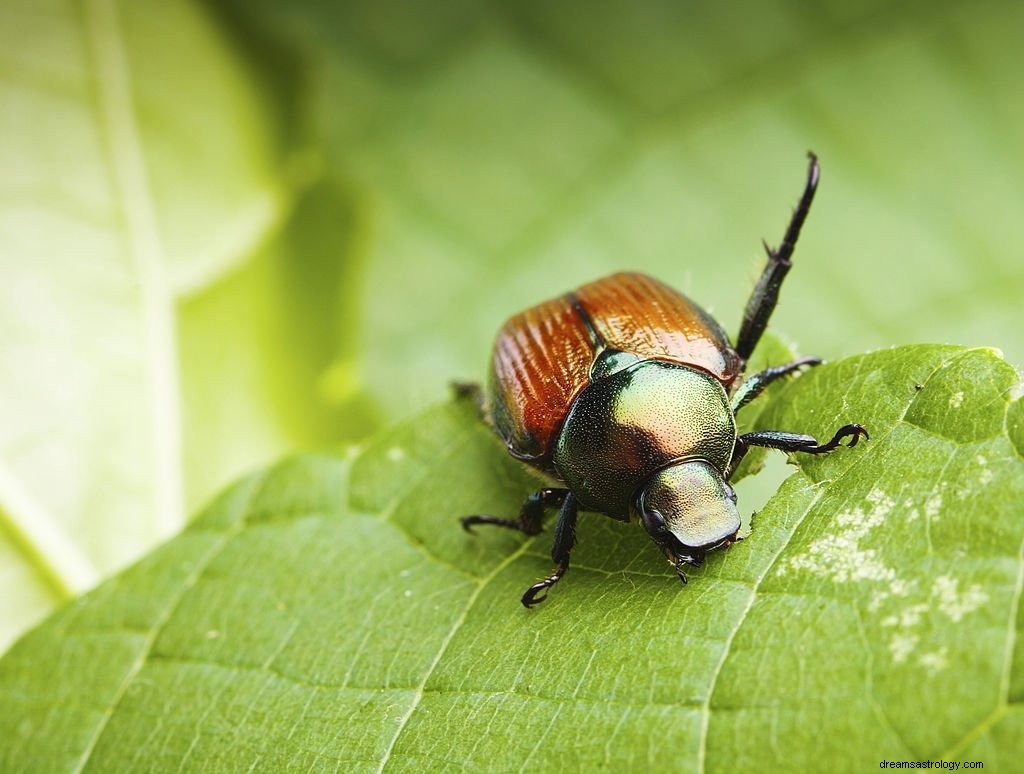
689 509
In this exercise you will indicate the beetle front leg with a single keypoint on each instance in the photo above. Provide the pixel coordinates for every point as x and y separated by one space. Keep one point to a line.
531 515
565 539
794 442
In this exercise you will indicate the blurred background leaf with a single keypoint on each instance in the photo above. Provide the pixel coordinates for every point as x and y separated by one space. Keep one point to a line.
511 150
301 220
173 293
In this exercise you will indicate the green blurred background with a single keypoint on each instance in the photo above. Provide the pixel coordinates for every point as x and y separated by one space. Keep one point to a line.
229 230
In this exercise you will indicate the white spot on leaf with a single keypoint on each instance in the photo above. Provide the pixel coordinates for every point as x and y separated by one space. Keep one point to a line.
952 601
956 400
985 476
899 587
903 608
902 645
935 661
839 555
908 617
882 502
396 454
1017 391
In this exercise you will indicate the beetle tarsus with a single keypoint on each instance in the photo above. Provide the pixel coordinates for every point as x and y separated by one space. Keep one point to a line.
472 393
852 431
565 539
530 597
468 522
794 442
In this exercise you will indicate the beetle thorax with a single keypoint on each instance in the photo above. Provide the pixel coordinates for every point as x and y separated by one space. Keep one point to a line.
626 426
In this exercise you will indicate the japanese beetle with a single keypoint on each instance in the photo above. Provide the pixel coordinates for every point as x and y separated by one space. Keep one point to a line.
625 391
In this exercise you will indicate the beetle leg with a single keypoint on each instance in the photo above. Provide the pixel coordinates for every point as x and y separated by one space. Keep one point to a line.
766 291
565 539
530 515
794 442
754 385
530 597
472 392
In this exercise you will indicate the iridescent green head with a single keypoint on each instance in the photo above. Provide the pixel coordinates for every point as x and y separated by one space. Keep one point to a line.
688 509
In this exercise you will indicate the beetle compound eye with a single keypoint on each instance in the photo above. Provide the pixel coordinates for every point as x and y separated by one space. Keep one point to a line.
653 521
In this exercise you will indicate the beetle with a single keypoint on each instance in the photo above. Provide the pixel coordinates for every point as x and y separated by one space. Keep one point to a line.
625 391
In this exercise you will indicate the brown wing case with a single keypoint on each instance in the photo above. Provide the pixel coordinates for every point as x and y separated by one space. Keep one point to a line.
636 313
543 356
541 362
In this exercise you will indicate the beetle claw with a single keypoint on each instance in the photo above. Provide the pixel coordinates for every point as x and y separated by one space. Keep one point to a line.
858 432
530 598
852 431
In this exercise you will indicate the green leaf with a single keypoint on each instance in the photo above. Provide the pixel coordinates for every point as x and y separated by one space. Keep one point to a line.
330 613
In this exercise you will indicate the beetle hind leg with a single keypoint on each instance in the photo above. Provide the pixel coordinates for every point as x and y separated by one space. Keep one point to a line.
766 291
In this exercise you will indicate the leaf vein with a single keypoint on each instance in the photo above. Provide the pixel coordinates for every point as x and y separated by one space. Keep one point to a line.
1003 705
174 601
420 689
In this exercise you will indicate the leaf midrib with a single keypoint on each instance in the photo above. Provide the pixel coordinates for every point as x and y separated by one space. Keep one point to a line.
48 548
420 689
132 189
